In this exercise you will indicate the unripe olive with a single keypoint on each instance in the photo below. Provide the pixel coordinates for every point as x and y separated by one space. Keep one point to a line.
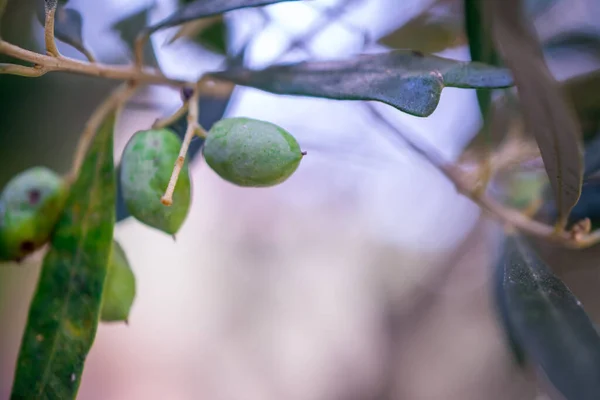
252 153
30 206
146 168
119 288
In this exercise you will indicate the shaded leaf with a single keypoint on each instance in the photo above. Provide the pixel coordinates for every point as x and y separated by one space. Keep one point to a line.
64 313
206 8
128 29
583 91
549 323
68 26
481 47
2 9
433 30
546 113
210 33
501 305
119 288
409 81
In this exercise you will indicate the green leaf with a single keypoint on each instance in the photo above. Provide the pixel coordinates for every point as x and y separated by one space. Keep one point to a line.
68 26
119 288
549 323
404 79
546 112
128 29
481 46
64 313
435 29
206 8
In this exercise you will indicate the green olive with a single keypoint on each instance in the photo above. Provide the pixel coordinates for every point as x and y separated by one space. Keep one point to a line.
119 288
251 153
30 206
146 168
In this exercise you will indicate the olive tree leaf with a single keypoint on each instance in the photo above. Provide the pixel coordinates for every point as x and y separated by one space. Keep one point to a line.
119 288
583 92
435 29
549 323
206 8
404 79
128 29
481 46
68 26
65 309
546 112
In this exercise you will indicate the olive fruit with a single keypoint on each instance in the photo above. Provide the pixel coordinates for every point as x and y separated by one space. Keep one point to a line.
251 153
119 287
146 168
30 206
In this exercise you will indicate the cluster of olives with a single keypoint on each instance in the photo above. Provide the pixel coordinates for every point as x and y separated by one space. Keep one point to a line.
242 151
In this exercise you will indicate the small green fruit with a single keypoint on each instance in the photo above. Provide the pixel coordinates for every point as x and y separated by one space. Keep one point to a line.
146 169
30 206
251 153
119 288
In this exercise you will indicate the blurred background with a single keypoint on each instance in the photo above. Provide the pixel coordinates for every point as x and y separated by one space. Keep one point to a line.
364 276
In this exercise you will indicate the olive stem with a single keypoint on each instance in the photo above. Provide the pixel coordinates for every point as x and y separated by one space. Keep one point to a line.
115 101
512 218
21 70
193 126
164 122
51 48
65 64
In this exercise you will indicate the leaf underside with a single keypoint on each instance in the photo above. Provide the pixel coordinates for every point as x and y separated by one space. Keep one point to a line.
206 8
549 323
406 80
65 310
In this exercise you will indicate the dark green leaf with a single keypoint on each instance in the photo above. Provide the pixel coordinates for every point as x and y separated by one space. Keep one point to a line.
214 37
404 79
128 29
206 8
481 46
549 323
433 30
504 314
583 91
68 26
545 111
64 313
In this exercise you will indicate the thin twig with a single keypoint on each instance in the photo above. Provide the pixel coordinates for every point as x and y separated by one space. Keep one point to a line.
164 122
21 70
119 96
192 128
88 54
65 64
511 218
51 48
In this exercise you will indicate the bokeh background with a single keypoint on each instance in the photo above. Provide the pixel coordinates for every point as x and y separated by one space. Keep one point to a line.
364 276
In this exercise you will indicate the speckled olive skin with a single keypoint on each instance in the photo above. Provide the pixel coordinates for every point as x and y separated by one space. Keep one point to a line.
30 206
251 153
146 168
119 288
